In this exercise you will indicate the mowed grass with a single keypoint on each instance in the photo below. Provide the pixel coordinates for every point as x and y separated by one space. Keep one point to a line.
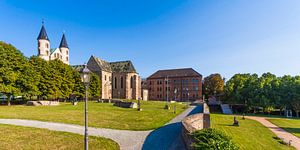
290 125
250 135
26 138
102 115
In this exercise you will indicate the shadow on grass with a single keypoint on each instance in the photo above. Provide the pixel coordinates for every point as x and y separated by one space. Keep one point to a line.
228 125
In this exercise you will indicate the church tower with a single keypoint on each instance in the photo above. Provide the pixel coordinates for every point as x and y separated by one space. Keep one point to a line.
64 49
43 44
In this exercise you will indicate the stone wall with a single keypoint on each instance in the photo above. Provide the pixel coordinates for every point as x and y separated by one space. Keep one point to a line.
193 123
42 103
106 86
130 88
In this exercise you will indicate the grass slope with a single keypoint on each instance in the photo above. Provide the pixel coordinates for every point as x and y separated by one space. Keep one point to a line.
249 135
103 115
22 138
290 125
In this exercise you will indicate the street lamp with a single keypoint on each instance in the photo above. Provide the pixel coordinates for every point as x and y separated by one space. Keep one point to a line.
85 79
167 87
175 92
188 96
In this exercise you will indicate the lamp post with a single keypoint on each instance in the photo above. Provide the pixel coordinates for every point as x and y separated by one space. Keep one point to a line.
188 97
167 87
85 79
175 92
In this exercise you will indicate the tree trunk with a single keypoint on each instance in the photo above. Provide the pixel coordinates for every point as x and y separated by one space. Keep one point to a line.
8 101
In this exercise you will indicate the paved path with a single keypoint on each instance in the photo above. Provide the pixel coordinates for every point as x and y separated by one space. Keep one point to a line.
128 140
286 136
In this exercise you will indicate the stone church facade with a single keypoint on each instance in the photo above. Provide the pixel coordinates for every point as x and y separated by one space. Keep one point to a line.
118 79
47 53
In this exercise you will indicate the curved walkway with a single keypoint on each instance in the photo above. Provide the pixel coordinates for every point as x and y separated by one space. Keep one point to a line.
128 140
284 135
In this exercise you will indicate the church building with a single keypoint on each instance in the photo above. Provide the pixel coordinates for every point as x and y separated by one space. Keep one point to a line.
47 53
118 79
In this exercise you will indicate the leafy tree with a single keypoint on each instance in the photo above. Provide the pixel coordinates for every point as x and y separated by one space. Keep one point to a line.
35 77
78 88
11 64
95 86
213 84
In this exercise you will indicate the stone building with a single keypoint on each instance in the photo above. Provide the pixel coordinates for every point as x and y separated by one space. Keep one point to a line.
175 84
47 53
118 79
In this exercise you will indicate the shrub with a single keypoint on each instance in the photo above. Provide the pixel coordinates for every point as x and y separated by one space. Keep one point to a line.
212 139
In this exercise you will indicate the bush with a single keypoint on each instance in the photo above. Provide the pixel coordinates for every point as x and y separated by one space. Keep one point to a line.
212 139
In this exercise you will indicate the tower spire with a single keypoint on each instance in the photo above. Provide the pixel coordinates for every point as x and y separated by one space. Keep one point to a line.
63 42
43 34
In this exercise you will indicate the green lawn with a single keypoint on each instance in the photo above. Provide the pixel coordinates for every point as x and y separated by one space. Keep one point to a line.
103 115
290 125
249 135
26 138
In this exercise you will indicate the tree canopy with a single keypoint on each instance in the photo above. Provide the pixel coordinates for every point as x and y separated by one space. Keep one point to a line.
36 78
213 84
266 91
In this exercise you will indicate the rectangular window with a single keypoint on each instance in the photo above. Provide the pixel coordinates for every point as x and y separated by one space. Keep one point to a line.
121 82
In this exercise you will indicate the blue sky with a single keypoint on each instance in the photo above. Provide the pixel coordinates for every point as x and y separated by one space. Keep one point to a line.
227 37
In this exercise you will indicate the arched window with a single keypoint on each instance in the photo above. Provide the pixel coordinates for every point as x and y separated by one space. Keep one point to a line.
115 82
121 82
131 82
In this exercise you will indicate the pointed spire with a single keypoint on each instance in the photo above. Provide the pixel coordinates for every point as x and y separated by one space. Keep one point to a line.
43 34
63 42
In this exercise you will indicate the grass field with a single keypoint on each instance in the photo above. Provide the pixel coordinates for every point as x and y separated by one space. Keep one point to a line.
103 115
20 138
290 125
250 135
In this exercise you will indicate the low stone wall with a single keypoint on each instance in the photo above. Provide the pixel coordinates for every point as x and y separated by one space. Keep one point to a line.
109 101
193 123
42 103
125 104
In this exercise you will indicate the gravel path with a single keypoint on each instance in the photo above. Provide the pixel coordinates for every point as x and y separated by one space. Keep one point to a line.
128 140
286 136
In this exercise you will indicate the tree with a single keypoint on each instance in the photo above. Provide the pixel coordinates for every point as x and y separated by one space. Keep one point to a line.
95 86
11 63
213 84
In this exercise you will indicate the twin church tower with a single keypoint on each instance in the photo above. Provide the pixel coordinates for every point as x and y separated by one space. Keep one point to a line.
47 53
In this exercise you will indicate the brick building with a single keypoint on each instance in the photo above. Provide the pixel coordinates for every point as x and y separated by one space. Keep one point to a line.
118 79
186 82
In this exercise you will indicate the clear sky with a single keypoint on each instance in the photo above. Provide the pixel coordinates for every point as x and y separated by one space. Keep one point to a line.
227 37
